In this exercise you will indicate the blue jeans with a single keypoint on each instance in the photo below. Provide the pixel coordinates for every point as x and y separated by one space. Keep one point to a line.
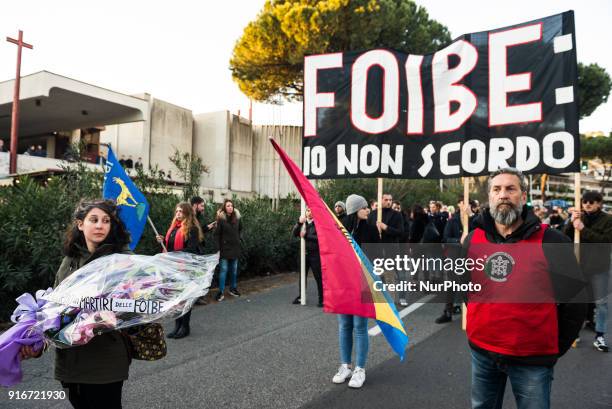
224 264
531 384
600 292
346 324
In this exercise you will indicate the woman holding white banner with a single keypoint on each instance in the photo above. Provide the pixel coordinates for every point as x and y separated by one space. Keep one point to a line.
93 373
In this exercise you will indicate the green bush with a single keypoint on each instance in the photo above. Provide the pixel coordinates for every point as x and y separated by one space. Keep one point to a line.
267 242
34 217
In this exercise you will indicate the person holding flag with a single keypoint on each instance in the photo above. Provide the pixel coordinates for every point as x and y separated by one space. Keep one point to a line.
349 283
184 234
357 224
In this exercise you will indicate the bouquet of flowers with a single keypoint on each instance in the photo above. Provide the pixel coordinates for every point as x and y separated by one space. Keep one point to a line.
110 293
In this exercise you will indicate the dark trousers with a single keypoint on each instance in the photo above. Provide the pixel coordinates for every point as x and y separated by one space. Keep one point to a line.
183 321
313 261
94 396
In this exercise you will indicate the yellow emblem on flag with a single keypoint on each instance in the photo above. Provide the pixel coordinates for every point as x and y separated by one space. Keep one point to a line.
125 195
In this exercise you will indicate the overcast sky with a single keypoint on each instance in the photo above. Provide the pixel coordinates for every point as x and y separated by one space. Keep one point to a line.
179 51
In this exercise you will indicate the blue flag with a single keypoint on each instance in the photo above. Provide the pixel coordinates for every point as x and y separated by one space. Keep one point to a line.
133 206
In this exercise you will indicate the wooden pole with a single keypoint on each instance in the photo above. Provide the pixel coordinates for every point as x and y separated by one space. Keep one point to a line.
465 221
302 259
577 207
379 199
156 233
466 201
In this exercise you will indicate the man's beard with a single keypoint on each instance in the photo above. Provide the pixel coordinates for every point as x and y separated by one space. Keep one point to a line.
506 215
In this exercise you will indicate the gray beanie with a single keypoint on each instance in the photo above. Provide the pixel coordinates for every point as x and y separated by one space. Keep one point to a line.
354 203
341 204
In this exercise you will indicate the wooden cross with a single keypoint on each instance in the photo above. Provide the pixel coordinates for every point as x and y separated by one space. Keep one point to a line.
15 115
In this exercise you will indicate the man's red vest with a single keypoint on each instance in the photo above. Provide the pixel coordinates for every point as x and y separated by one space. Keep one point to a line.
515 312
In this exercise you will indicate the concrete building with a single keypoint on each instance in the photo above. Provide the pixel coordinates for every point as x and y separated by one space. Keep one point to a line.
57 111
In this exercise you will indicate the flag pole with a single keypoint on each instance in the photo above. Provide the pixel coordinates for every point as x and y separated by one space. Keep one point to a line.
156 233
578 208
379 199
466 229
302 258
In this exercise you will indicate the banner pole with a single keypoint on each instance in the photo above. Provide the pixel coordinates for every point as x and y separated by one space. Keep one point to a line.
466 202
156 233
379 199
578 208
302 258
466 228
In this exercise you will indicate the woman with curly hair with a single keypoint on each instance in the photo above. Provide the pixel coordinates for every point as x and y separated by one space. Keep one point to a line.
93 373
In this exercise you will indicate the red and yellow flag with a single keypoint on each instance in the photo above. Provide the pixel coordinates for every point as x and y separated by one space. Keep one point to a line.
348 278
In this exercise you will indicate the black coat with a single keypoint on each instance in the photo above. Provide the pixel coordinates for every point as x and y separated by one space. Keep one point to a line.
395 225
453 232
228 235
312 241
362 231
454 228
405 237
191 244
106 358
343 218
417 228
439 220
596 236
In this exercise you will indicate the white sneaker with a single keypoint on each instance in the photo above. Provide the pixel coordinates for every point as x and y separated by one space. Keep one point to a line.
600 344
344 372
358 378
403 302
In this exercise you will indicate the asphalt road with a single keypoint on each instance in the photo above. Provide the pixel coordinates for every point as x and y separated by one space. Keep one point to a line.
262 352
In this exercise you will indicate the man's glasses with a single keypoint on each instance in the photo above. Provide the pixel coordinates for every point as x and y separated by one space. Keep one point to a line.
589 202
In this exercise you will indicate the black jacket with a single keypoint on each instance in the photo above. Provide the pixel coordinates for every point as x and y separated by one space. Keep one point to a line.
417 229
312 241
454 228
104 359
227 235
453 232
439 220
361 230
342 218
596 236
191 244
405 237
395 225
566 277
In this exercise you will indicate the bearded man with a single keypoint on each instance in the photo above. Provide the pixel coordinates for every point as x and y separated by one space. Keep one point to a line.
520 322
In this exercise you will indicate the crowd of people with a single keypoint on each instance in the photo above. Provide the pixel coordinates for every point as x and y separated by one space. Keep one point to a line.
520 342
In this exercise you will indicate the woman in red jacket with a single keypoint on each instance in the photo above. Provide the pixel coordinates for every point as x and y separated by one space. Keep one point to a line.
184 234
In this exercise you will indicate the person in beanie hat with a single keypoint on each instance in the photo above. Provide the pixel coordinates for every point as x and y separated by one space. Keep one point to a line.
340 210
357 224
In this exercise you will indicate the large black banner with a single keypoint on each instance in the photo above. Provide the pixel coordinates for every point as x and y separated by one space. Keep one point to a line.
505 97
